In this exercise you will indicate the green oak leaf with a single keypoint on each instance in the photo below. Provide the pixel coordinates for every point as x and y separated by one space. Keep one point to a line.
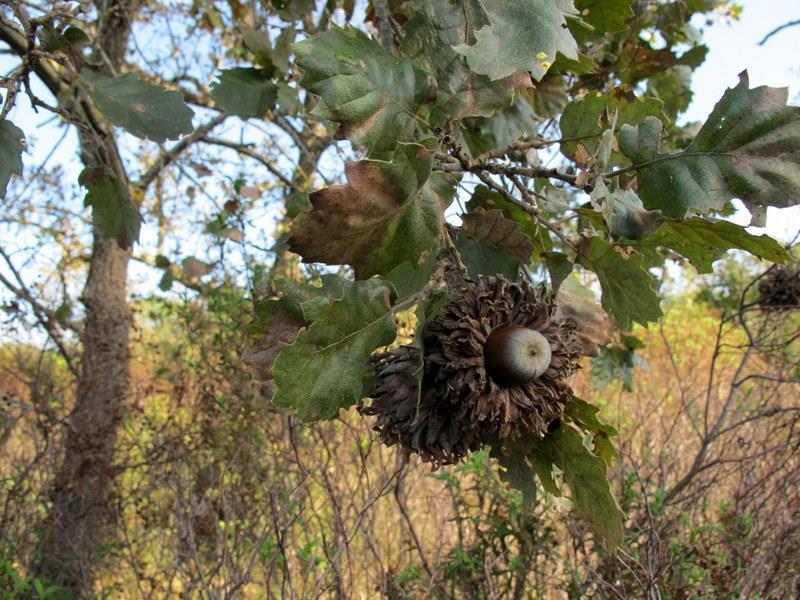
584 120
12 143
306 301
142 109
373 94
613 363
408 278
321 371
703 241
549 97
628 288
522 35
291 10
559 266
244 92
625 214
430 35
605 16
599 17
585 474
748 148
517 469
387 213
584 415
113 211
484 259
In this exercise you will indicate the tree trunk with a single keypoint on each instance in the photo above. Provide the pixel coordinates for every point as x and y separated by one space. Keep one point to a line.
80 521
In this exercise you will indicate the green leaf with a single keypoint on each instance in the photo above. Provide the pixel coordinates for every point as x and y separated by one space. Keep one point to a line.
12 143
703 241
517 470
613 363
749 148
625 214
585 474
407 278
373 94
142 109
522 35
290 10
244 92
559 266
583 121
605 16
629 290
482 259
387 213
430 35
321 371
549 97
306 302
585 416
113 211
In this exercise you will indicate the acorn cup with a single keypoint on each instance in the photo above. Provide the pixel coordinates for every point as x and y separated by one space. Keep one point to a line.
496 363
779 289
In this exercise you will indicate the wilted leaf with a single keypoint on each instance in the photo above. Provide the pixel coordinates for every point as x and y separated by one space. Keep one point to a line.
113 211
373 94
275 328
12 143
143 109
244 92
703 241
585 474
483 197
492 228
331 353
522 35
387 213
578 303
629 290
749 148
194 268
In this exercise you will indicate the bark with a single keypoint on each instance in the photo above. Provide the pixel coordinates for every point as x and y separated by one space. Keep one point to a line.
81 517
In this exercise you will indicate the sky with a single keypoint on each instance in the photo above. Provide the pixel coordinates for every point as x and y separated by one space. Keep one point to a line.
733 48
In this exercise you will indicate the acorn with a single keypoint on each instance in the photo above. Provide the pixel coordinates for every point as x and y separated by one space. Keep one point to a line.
495 364
515 355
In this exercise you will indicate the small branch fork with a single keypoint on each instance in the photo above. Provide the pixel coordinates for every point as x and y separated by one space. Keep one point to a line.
460 162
